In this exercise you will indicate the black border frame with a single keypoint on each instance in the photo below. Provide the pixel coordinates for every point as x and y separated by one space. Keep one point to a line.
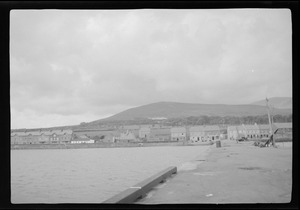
7 6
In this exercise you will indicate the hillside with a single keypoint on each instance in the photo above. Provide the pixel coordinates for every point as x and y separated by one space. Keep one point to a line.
277 102
282 106
177 110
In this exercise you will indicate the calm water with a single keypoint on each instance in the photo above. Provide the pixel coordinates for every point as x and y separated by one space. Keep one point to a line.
89 175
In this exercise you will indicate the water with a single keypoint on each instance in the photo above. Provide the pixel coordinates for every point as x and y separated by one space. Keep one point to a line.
89 175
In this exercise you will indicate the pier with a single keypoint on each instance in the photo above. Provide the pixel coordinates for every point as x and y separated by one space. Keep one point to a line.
232 173
139 190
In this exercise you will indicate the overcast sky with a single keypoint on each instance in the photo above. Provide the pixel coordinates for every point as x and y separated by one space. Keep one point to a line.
68 67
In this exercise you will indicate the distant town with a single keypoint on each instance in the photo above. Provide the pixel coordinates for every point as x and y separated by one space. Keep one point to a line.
150 133
145 124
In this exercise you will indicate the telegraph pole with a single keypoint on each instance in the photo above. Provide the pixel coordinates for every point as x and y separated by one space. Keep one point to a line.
270 123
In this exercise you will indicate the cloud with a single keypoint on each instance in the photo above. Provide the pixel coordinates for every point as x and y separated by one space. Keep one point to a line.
98 63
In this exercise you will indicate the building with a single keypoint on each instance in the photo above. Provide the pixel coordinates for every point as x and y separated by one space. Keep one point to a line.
197 134
99 135
34 137
65 136
252 131
178 134
60 136
83 139
159 134
42 137
264 131
285 130
126 136
212 132
249 131
242 132
204 133
21 137
285 127
144 132
232 132
238 131
13 138
110 137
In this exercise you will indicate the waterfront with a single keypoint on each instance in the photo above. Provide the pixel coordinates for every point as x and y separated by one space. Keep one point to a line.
234 173
90 175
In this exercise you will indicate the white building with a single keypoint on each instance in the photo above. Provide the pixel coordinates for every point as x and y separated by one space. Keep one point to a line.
178 134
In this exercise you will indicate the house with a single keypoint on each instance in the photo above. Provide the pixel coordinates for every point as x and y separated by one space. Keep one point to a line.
126 136
204 133
196 134
232 132
144 132
44 137
249 131
178 134
21 137
13 138
109 137
159 134
242 131
59 136
285 130
105 135
252 131
237 131
212 132
26 137
83 139
264 131
284 127
34 137
66 136
223 132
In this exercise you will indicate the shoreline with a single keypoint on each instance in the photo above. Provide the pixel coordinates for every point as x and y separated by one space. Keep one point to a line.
97 145
120 145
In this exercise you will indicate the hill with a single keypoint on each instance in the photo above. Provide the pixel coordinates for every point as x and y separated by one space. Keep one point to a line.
177 110
277 102
168 110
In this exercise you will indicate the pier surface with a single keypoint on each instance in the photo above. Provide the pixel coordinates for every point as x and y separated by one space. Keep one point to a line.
232 173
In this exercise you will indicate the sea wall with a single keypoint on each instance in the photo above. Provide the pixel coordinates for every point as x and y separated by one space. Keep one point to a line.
95 145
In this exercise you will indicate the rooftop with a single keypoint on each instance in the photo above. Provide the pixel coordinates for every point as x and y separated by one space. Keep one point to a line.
178 129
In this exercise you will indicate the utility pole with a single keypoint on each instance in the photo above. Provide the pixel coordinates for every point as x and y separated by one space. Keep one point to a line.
270 123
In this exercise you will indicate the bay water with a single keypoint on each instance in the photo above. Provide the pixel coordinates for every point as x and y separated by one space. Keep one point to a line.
90 175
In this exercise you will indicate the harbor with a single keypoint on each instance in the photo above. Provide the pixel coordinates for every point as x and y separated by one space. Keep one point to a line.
229 173
151 105
232 173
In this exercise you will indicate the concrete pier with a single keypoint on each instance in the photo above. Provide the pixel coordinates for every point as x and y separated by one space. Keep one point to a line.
233 173
139 190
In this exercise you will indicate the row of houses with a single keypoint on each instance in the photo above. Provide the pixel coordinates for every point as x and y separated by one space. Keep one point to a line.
260 131
194 134
42 137
135 134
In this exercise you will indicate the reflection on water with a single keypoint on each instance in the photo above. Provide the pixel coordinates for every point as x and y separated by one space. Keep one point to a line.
88 175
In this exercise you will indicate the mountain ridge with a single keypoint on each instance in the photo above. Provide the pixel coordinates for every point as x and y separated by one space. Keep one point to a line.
167 109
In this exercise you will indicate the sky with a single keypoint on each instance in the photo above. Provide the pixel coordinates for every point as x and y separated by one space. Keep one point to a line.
73 66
